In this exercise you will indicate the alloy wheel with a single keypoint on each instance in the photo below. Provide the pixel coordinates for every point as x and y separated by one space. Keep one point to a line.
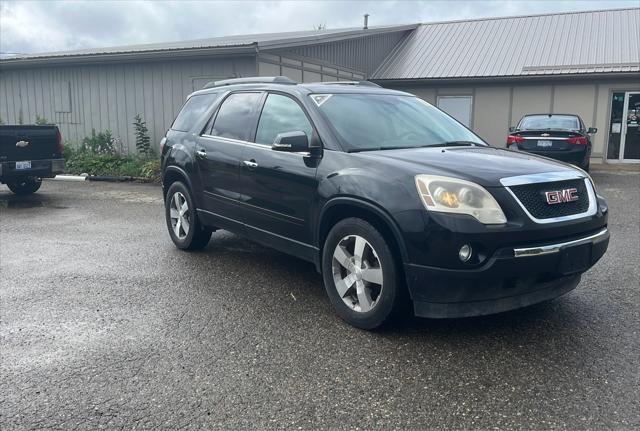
180 215
357 273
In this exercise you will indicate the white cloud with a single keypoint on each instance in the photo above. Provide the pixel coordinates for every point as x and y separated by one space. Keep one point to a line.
44 26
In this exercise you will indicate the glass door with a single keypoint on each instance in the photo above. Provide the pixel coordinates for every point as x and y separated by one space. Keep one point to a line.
624 127
630 140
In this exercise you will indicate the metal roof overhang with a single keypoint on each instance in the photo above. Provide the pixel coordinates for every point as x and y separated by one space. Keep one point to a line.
127 57
507 79
61 59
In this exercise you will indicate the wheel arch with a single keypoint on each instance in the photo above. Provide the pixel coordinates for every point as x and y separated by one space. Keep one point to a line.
173 174
341 208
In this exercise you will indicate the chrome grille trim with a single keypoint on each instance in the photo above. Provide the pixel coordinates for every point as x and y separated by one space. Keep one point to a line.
545 177
549 177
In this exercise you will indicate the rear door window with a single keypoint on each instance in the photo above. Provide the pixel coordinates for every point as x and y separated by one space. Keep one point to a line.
193 110
236 116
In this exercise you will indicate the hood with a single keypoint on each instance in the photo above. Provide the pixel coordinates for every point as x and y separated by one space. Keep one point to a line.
482 165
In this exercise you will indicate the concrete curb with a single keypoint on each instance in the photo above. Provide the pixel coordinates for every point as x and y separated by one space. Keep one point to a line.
68 178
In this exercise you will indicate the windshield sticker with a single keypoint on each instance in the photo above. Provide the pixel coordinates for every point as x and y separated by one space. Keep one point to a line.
319 99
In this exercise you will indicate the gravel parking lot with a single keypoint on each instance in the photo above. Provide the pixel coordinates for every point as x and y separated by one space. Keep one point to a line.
104 324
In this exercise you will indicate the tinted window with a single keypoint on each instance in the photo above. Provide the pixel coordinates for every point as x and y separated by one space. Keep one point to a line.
372 121
281 114
193 110
235 116
537 122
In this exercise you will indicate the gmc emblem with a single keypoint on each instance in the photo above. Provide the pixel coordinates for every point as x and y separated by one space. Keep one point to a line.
560 196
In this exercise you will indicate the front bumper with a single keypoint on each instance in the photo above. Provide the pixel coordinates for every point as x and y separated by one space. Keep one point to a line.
44 168
513 277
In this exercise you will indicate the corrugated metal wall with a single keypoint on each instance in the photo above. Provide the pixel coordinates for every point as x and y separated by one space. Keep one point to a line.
301 69
108 96
363 54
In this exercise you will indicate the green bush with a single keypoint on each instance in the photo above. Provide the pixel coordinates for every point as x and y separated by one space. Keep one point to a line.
99 143
41 121
83 162
96 156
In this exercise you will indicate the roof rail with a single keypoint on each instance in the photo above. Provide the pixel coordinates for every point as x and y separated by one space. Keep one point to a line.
252 80
361 83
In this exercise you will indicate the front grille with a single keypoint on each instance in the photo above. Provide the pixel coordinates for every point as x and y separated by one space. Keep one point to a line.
533 198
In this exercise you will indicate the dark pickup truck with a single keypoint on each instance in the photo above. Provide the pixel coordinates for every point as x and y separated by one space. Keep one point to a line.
29 153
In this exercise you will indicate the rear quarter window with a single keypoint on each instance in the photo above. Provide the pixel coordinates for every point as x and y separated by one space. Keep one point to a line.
193 110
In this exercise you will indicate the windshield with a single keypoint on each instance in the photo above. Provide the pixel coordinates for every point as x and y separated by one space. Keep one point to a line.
366 122
544 122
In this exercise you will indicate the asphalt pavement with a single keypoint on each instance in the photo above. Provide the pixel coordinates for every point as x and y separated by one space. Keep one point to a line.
104 324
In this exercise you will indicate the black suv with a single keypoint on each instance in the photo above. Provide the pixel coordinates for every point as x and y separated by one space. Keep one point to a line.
394 201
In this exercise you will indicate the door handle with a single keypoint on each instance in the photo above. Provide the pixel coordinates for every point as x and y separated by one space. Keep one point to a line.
201 153
251 164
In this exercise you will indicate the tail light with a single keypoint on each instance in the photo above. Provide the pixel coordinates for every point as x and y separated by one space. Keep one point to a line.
514 139
59 144
577 140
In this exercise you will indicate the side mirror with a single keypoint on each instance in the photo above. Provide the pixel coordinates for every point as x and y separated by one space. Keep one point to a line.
592 130
512 129
292 142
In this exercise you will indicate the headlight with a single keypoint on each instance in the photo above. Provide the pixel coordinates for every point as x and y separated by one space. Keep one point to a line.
451 195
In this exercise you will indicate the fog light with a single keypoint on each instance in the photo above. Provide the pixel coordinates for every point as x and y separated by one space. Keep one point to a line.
465 253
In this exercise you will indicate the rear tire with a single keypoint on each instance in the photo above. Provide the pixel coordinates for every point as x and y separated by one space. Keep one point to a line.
185 229
25 186
361 275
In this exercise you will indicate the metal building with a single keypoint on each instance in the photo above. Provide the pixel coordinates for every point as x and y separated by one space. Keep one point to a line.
486 72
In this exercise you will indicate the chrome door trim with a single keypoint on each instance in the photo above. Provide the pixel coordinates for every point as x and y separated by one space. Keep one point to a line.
251 144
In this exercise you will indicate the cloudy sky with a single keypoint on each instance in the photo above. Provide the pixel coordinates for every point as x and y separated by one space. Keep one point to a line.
41 26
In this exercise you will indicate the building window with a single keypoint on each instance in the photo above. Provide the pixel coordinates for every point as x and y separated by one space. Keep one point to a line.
459 107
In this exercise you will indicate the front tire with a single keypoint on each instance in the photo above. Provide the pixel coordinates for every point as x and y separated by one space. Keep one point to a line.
25 186
361 275
185 229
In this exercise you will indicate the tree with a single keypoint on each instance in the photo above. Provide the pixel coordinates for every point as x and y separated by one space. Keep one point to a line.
143 141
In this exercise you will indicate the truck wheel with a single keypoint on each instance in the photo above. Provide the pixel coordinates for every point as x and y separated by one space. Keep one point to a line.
25 186
361 276
185 229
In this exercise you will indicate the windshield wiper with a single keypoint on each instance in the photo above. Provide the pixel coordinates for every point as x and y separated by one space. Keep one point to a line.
441 144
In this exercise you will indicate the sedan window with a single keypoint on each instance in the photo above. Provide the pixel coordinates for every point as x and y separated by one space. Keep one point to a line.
544 122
